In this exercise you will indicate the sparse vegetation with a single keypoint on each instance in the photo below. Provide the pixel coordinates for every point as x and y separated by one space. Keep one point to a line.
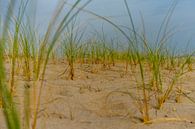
154 68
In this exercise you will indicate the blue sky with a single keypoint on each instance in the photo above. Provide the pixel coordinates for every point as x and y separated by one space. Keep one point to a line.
153 12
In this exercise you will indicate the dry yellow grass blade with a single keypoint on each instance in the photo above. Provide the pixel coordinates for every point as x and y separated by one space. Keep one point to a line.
161 120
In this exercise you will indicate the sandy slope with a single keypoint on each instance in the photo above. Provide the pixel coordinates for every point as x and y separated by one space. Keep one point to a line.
84 102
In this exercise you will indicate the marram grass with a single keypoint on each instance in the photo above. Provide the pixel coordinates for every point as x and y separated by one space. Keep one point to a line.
23 45
18 38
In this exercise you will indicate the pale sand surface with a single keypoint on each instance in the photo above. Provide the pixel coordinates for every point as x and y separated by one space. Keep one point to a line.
84 102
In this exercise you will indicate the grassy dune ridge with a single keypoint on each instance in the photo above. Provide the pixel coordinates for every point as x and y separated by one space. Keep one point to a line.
155 69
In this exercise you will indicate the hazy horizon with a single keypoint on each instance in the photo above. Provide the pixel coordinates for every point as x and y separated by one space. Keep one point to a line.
153 12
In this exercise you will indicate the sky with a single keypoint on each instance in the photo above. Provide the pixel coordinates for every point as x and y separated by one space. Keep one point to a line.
153 12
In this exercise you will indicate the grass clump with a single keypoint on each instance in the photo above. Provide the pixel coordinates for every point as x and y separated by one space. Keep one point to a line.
23 47
71 46
150 61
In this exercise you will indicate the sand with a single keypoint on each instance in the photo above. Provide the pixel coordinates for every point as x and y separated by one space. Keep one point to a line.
84 102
